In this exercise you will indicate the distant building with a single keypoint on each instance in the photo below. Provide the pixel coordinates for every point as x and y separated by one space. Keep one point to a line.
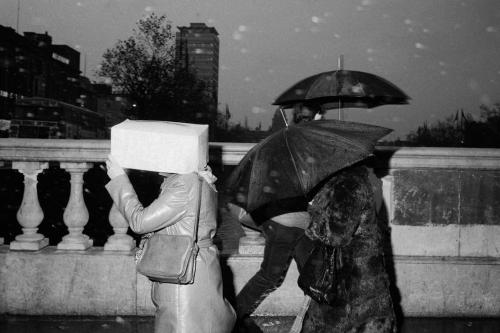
45 118
31 66
197 51
112 106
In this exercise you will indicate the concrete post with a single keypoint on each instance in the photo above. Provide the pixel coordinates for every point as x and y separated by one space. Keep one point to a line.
76 214
30 214
119 241
387 189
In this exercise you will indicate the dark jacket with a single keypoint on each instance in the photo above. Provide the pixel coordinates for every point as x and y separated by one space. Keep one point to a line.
347 277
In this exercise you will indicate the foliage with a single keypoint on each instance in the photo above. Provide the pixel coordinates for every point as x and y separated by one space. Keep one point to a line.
143 67
461 130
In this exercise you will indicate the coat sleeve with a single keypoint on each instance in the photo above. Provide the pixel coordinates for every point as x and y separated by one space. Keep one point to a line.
166 210
339 207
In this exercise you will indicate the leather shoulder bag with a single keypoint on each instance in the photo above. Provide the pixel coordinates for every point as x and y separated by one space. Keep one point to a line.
171 258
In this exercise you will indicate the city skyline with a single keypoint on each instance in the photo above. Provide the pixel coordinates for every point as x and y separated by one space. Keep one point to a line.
443 59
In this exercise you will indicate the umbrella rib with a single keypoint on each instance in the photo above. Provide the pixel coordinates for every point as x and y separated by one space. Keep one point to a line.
293 162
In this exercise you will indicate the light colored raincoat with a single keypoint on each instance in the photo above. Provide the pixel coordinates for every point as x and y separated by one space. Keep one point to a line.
193 308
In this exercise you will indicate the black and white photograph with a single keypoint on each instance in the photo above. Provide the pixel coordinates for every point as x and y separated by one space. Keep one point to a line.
250 166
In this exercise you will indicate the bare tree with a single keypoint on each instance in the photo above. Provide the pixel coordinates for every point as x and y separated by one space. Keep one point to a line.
143 67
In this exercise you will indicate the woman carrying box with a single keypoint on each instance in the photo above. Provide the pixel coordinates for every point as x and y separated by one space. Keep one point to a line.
180 308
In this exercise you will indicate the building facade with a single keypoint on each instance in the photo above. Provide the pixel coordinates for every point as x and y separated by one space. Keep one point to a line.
32 66
197 51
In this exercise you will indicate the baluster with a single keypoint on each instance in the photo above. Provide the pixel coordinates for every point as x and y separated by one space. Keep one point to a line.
387 193
252 242
120 241
76 214
30 214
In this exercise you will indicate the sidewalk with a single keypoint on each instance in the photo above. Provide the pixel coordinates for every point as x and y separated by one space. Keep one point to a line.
53 324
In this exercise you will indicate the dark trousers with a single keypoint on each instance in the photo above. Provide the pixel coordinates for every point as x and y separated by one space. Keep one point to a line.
282 244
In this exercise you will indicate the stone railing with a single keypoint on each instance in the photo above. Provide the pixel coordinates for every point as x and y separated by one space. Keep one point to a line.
30 157
442 206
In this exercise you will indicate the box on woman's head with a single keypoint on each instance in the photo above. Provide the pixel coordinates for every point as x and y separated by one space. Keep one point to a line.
161 146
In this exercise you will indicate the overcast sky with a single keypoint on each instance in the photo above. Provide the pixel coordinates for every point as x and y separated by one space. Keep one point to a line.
445 54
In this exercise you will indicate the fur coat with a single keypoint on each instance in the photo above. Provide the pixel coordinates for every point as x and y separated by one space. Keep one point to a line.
346 274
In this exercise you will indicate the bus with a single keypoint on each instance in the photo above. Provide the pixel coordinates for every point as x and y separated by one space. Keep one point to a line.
38 117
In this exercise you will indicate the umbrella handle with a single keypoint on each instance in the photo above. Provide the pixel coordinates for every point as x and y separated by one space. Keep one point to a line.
283 115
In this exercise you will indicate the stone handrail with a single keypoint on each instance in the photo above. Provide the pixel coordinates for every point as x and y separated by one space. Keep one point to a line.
31 156
232 152
442 207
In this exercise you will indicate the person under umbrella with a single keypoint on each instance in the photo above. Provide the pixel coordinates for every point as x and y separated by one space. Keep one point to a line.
272 181
345 274
284 234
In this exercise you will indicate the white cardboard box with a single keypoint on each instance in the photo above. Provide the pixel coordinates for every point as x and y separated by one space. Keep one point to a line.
161 146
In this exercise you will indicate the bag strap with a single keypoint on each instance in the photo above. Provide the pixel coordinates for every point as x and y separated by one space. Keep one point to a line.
198 207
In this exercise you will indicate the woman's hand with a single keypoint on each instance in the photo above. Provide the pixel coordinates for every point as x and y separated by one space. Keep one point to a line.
114 169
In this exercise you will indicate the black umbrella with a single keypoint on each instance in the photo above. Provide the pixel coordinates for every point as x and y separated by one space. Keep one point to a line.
280 172
343 88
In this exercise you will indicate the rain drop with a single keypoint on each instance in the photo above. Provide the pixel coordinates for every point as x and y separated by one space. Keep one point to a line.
420 46
242 28
316 19
491 29
268 189
237 35
148 9
310 159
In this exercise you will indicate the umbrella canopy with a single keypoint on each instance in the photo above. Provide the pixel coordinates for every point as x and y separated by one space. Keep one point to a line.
278 174
345 88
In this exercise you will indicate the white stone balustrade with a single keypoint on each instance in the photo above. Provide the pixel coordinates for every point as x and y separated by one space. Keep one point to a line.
442 206
119 241
30 214
75 214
